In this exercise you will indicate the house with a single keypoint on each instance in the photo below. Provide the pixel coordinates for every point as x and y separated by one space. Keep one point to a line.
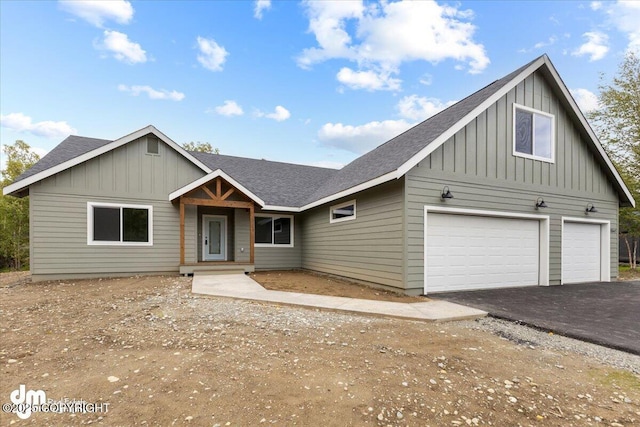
508 187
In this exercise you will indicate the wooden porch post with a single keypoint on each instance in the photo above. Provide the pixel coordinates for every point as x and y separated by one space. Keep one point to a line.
252 234
181 231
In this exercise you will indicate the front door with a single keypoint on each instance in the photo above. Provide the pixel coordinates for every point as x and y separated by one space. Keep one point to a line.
214 233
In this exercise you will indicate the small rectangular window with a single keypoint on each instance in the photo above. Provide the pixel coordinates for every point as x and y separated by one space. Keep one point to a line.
273 230
533 134
343 212
113 224
152 145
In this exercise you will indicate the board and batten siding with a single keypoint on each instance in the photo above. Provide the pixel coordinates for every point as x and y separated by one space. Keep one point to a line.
126 175
280 258
368 248
479 167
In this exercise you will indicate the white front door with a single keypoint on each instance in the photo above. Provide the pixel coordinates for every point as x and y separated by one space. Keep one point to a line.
214 236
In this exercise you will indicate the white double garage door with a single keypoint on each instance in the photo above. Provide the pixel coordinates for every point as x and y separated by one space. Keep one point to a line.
467 250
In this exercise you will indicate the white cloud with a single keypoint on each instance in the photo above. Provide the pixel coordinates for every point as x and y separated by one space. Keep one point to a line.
586 100
595 47
279 114
595 5
260 6
97 12
122 48
211 55
419 108
625 15
229 108
426 79
360 139
49 129
391 33
152 93
368 80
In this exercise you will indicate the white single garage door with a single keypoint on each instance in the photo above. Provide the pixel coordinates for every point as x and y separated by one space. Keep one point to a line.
466 252
581 256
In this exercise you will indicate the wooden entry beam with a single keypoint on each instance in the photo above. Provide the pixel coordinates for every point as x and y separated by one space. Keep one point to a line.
181 231
252 234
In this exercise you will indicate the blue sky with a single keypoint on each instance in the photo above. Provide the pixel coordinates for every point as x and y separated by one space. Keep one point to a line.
304 82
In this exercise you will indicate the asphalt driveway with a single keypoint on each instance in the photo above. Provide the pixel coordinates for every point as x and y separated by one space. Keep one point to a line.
607 314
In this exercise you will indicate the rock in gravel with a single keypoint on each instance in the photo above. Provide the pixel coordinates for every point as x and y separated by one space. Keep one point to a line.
113 379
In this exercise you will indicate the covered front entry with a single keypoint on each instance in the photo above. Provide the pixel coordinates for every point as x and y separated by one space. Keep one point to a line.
467 250
216 224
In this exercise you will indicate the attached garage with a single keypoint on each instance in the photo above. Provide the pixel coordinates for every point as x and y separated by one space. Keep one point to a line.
468 250
585 251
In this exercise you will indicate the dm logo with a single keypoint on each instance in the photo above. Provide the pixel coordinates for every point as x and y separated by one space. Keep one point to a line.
25 400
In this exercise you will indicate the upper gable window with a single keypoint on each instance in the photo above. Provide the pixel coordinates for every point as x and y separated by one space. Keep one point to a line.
152 145
533 134
343 212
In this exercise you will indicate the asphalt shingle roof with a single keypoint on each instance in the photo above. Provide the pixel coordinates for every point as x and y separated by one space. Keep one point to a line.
285 184
397 151
278 184
72 147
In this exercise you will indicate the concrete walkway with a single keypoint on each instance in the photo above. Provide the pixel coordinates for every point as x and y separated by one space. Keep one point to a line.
243 287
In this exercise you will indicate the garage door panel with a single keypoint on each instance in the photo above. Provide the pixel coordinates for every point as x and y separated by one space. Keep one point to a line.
474 252
581 256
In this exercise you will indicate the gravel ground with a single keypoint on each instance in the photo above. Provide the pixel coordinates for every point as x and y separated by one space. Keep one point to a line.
159 355
524 335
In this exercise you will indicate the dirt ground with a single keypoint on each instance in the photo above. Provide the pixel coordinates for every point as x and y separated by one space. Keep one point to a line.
159 355
314 283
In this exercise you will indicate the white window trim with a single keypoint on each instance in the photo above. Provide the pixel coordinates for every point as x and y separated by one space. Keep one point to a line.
553 134
273 218
91 242
342 205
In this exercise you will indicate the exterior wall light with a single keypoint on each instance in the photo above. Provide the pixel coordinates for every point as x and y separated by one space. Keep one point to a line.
590 208
446 194
540 203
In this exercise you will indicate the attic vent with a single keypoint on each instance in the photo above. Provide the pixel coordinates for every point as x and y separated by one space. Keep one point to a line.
152 145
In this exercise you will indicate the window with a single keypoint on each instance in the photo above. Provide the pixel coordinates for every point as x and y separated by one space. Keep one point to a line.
274 230
533 134
343 212
152 145
114 224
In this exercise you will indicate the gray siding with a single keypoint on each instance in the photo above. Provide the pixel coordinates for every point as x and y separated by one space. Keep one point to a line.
241 236
277 258
481 171
369 248
125 175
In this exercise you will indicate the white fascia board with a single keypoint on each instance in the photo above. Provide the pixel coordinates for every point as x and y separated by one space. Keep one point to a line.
280 208
592 135
360 187
444 137
205 179
99 151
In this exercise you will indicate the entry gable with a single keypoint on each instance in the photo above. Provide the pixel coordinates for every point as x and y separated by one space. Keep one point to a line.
220 193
